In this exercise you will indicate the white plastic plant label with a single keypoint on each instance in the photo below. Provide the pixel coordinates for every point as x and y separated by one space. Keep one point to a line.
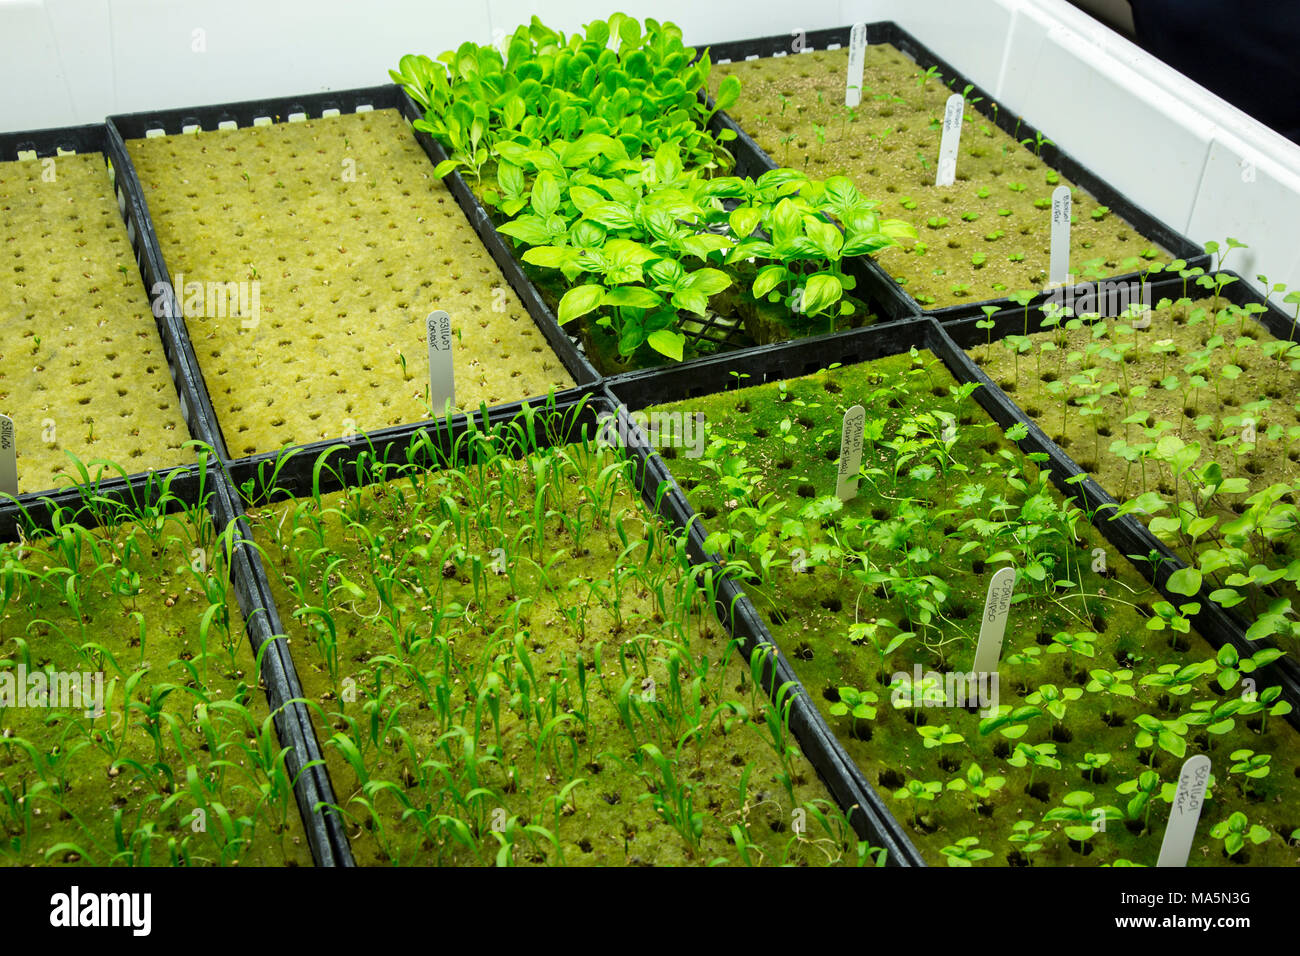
442 373
993 625
1185 813
1059 271
952 117
8 457
846 480
857 64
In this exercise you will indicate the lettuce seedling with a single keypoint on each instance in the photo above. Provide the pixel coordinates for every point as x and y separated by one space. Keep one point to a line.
1091 763
861 704
807 228
1034 756
1267 703
549 87
1167 734
941 736
1010 723
1118 682
1054 699
1143 788
1079 643
1176 680
1232 665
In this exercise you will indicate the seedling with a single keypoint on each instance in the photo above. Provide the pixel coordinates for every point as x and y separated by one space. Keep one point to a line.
1091 763
1142 788
1035 757
860 704
1236 830
979 786
1250 765
1028 839
1082 820
919 792
965 852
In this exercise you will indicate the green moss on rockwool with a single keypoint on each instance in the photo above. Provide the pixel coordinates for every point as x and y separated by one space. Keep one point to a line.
93 769
782 440
1244 416
354 242
527 628
82 369
997 213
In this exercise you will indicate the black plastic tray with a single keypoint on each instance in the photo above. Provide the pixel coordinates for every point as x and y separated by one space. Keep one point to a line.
325 829
95 138
100 503
266 477
753 161
251 474
1216 624
207 484
352 463
661 493
636 391
315 105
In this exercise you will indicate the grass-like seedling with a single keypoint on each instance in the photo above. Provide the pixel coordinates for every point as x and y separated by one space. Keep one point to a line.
135 732
512 662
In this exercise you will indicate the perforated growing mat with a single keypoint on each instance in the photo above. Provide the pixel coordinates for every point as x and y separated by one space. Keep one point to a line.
340 240
986 236
82 368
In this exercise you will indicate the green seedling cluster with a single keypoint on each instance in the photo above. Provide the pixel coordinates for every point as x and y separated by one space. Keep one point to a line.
134 727
512 662
878 602
633 82
637 251
604 173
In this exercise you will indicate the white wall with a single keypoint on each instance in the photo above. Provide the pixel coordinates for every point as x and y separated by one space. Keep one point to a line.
1187 156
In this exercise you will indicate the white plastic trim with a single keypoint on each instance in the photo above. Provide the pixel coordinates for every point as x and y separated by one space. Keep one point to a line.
1173 147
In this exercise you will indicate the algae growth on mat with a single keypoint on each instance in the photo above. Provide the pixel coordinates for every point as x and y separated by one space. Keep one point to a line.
896 579
514 645
82 368
353 241
984 237
174 760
